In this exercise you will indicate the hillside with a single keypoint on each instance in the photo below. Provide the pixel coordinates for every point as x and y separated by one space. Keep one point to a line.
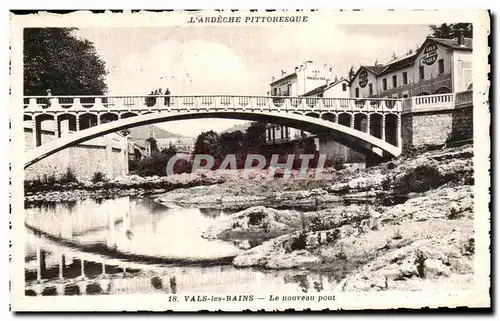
142 132
240 127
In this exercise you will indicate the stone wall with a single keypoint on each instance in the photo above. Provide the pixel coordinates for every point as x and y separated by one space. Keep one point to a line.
337 151
434 128
463 123
431 128
103 154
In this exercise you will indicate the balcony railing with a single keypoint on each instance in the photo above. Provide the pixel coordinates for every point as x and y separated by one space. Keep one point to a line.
138 104
437 102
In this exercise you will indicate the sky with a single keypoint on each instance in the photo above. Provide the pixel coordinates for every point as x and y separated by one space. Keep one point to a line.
238 60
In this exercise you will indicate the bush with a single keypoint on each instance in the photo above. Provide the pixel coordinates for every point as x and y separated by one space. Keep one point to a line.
454 214
420 262
98 177
397 235
299 243
156 164
256 218
68 177
418 180
470 247
333 236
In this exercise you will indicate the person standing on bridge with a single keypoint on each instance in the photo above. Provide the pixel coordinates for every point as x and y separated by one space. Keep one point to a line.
49 100
167 97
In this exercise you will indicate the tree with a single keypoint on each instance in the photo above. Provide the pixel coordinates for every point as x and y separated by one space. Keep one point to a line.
170 151
55 59
452 30
231 142
255 136
153 145
207 143
351 73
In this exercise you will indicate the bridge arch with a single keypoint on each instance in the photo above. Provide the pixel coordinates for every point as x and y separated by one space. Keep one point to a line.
66 120
360 121
108 117
345 119
329 116
359 141
376 127
87 120
128 114
315 115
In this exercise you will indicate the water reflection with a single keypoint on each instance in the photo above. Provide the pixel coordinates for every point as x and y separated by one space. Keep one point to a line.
132 226
118 246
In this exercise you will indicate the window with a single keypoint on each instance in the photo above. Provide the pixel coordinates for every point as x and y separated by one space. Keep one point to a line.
384 84
441 66
357 92
344 87
394 81
370 88
405 78
405 96
421 72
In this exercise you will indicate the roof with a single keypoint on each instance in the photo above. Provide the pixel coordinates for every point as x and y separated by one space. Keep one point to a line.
373 69
410 59
315 90
453 43
399 63
284 78
324 87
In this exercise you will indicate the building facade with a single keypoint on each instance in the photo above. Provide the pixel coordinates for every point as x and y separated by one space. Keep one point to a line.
107 154
308 79
439 66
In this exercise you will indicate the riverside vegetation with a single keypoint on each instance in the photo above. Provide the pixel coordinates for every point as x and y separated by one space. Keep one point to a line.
406 224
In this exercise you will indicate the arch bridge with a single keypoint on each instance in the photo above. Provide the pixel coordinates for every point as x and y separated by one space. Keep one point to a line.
370 126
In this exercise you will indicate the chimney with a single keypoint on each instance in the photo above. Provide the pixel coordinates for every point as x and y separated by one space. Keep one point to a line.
461 42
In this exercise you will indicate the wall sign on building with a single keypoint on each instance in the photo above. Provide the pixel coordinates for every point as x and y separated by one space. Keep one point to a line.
363 78
430 54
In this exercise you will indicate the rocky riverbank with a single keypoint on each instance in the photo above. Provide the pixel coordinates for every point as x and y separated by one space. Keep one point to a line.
425 239
131 185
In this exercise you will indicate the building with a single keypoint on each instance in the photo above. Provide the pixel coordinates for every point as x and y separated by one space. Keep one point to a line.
439 66
305 79
336 89
319 86
142 136
136 149
184 145
107 154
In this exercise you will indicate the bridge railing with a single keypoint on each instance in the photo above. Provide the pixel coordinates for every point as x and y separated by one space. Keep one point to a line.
138 104
464 98
437 102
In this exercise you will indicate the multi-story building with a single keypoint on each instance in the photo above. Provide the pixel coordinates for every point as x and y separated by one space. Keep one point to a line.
184 145
306 79
439 66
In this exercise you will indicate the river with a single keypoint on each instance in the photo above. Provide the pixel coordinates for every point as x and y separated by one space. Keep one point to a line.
135 245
